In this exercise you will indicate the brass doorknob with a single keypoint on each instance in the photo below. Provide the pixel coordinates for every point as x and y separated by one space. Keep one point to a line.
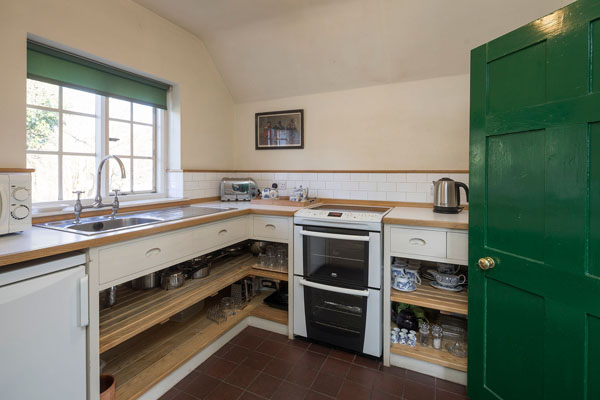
486 263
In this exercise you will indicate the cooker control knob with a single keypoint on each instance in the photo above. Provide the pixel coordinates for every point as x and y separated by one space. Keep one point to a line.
20 212
20 193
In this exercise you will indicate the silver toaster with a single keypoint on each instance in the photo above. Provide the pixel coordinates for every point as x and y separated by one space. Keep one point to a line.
233 189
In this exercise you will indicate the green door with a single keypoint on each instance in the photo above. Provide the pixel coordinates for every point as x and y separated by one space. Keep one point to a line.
534 318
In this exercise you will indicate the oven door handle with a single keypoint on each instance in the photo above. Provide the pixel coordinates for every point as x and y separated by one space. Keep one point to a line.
352 292
335 236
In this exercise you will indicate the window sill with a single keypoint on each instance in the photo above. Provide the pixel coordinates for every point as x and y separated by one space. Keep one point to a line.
124 205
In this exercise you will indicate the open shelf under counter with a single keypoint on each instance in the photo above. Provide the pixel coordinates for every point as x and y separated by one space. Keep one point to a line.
430 297
141 362
139 310
440 357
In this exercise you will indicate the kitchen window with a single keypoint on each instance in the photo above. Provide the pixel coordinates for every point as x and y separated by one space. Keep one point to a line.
69 131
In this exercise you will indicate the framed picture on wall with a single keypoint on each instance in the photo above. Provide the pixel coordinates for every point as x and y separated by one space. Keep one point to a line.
279 130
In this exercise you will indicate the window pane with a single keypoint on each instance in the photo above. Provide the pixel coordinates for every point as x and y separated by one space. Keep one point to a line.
42 130
124 185
79 101
144 114
44 181
143 174
42 94
119 109
119 131
79 134
143 140
78 174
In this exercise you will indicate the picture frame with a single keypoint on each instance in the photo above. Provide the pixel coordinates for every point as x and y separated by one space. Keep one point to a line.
278 130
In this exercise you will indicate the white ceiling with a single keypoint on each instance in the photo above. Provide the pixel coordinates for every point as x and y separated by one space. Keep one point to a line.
269 49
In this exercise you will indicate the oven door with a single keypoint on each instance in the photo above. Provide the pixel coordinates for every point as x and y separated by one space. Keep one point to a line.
347 318
338 256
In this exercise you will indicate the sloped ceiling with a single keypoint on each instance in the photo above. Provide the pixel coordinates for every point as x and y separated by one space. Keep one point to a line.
269 49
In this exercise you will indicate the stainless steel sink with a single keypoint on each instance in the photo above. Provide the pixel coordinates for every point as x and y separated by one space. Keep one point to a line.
96 225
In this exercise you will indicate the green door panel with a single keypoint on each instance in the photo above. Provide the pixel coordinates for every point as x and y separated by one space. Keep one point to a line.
507 308
515 193
593 357
594 219
565 200
517 80
534 319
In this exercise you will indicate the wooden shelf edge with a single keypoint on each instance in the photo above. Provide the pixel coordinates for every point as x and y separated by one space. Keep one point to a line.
439 357
438 303
264 273
270 314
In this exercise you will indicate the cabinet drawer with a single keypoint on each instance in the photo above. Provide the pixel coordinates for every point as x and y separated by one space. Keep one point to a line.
418 241
132 257
271 227
457 246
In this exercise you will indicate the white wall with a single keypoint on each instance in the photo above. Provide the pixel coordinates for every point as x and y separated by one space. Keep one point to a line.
419 125
126 34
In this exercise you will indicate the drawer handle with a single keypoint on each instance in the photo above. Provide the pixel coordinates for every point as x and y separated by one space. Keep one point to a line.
270 227
223 232
153 252
417 242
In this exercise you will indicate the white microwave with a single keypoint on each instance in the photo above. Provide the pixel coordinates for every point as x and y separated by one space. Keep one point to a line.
15 202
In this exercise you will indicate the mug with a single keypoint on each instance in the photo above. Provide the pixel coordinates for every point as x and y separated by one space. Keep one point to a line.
413 273
404 283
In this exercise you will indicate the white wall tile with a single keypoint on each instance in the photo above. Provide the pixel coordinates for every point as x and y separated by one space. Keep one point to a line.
359 177
334 185
377 178
199 176
406 187
325 194
281 176
324 176
395 196
376 196
368 186
343 176
396 177
416 197
341 194
318 185
210 175
267 176
294 176
188 176
424 187
416 177
359 195
386 187
350 185
309 176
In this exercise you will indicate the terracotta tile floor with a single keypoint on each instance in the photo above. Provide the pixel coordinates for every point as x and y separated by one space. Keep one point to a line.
258 364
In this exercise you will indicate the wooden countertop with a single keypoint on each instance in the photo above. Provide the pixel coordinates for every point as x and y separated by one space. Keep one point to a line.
426 217
42 242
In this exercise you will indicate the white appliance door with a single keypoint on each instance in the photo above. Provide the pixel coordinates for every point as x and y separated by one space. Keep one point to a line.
43 342
4 204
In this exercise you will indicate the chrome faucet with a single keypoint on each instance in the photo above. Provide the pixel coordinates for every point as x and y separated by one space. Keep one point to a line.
78 208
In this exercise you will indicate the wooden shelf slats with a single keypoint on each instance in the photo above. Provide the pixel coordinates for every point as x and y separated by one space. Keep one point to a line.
430 297
429 354
141 362
269 274
137 311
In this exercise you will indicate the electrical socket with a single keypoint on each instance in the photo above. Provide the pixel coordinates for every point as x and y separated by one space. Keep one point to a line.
281 185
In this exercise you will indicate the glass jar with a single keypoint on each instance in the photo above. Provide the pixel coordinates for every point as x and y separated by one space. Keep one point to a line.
437 333
424 334
228 306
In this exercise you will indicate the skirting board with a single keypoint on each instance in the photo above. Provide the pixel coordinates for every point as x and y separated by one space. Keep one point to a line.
430 369
167 383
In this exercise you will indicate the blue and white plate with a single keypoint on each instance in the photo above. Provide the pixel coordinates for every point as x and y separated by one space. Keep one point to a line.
448 288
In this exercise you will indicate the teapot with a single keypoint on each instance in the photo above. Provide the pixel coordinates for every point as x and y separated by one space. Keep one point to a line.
448 280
